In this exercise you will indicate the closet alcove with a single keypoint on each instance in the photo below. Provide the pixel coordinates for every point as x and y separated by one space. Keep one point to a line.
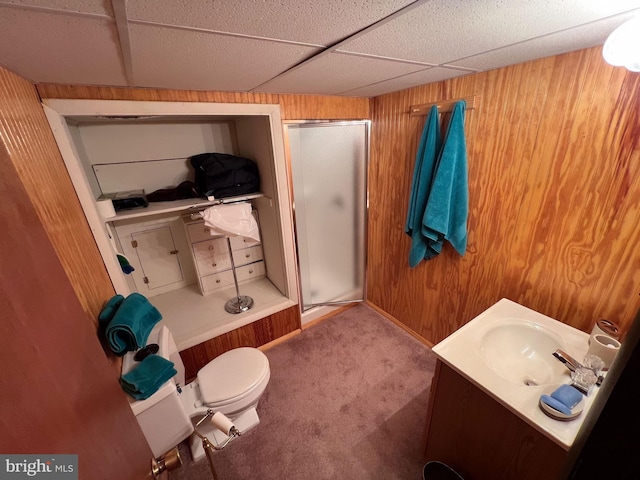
113 146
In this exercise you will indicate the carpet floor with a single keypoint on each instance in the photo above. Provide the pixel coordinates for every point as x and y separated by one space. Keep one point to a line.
347 399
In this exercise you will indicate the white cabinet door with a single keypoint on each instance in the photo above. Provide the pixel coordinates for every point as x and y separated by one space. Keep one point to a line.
159 263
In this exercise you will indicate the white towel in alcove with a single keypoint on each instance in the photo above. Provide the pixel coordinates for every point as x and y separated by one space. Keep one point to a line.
233 220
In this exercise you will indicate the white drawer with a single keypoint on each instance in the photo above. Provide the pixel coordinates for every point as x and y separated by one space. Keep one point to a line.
238 243
247 255
198 232
251 271
216 281
212 256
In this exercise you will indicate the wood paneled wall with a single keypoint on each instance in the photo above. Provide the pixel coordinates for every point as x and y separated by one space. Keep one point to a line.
29 143
293 107
554 196
59 395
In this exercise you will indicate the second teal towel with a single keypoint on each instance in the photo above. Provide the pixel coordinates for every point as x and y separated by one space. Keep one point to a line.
445 216
147 377
130 324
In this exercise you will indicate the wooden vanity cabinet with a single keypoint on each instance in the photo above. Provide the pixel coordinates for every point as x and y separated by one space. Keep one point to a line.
481 439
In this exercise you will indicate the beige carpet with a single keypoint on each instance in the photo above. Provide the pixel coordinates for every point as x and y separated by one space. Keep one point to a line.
347 399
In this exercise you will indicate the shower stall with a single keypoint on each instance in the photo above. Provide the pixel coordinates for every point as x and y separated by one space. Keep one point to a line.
328 170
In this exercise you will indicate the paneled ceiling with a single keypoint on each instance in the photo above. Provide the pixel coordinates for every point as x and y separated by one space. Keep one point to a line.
330 47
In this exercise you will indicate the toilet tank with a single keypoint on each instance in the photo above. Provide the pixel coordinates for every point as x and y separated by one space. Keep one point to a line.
169 351
161 417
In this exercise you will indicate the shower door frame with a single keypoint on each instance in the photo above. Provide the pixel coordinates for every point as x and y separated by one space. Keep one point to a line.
367 139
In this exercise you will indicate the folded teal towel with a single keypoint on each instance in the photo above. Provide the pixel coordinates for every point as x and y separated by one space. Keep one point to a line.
422 178
445 216
109 310
131 324
147 377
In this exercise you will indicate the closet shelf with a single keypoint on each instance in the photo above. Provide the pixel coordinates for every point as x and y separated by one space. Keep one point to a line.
156 208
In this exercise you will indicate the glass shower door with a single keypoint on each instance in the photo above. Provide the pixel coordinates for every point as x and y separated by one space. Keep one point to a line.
329 171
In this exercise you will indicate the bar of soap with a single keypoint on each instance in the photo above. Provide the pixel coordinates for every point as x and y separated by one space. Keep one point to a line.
567 395
555 404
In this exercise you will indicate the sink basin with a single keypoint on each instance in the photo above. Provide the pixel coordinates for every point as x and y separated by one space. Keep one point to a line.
521 351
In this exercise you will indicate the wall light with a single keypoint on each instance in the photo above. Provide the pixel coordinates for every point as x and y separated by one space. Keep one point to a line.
622 48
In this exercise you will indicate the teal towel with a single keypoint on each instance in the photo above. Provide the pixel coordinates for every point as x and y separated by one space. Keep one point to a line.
109 310
147 377
422 178
445 216
131 324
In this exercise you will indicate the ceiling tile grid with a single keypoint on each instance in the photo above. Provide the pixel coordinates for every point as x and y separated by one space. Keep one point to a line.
54 48
430 75
316 22
331 47
97 7
334 73
583 36
443 31
195 60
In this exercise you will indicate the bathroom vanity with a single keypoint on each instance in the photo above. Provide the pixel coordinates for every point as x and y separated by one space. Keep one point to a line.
120 146
483 417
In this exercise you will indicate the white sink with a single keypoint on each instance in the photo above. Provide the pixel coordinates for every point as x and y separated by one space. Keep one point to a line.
507 351
521 352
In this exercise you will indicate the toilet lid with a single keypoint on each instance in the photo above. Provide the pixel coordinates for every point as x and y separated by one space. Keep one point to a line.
232 374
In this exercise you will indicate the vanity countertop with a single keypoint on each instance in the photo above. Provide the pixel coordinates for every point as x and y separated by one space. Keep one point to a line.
462 351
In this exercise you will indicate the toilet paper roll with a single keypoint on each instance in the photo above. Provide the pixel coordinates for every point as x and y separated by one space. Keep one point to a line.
604 347
105 208
605 327
222 423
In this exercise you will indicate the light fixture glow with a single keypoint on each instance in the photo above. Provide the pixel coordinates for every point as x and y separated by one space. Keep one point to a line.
622 48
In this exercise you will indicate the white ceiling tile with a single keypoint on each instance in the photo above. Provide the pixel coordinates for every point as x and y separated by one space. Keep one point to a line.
577 38
76 42
333 73
442 31
186 59
318 22
101 7
60 48
435 74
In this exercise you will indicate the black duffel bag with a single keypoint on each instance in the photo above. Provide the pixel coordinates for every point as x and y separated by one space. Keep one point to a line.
222 175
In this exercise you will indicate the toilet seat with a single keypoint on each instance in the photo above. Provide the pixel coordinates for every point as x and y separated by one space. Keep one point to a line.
232 376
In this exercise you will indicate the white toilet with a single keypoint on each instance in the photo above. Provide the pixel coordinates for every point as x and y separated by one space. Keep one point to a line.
231 383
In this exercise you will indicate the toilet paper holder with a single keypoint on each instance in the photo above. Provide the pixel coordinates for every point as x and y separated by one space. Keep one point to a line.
222 423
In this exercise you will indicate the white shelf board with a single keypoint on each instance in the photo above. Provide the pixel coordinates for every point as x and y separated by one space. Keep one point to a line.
156 208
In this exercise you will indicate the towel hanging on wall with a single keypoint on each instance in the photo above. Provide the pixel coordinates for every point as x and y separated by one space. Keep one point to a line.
438 205
422 178
445 217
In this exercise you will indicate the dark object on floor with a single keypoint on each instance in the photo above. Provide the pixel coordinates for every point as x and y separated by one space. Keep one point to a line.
185 190
439 471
